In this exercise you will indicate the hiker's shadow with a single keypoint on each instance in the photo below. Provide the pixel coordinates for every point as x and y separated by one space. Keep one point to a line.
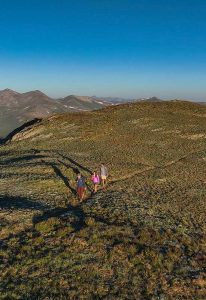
64 213
77 164
65 179
22 159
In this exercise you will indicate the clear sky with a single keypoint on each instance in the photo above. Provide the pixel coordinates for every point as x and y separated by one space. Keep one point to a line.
126 48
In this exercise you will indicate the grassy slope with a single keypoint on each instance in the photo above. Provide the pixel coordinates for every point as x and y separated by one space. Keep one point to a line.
143 237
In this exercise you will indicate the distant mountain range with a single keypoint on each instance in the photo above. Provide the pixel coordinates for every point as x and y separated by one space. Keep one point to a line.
18 108
116 100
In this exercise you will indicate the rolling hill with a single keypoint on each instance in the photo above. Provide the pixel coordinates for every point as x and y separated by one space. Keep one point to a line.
143 237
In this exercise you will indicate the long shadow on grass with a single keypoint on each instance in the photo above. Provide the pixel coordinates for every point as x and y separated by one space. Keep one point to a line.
79 212
12 202
75 163
21 159
76 211
62 177
36 153
75 170
72 161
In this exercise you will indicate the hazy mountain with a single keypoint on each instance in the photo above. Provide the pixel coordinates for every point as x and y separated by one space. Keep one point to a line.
114 100
152 99
17 108
118 100
78 103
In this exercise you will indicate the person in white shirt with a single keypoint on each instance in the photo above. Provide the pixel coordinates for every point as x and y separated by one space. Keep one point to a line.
103 174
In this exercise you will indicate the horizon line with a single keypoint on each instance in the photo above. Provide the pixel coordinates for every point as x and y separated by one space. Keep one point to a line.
103 97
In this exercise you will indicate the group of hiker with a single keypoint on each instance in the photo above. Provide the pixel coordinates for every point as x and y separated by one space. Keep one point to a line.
96 179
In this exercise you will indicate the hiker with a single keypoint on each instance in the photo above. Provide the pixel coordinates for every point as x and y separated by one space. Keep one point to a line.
103 174
95 180
81 187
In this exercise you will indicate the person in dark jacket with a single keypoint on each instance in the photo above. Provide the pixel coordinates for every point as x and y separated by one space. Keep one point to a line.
81 187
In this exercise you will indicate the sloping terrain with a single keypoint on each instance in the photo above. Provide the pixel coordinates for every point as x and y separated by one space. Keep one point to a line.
141 238
17 108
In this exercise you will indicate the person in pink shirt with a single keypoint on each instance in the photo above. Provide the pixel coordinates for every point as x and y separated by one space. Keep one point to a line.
95 181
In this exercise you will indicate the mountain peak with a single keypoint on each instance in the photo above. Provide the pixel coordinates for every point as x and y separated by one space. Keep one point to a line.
8 92
37 92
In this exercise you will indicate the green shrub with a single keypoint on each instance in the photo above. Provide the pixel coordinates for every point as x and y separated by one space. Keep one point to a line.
48 226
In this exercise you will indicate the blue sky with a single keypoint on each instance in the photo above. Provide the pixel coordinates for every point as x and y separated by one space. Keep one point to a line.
126 48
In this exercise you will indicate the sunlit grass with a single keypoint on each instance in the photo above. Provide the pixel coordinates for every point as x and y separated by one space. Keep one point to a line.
141 238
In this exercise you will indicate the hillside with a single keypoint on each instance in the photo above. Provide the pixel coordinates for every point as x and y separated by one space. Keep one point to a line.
18 108
143 237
